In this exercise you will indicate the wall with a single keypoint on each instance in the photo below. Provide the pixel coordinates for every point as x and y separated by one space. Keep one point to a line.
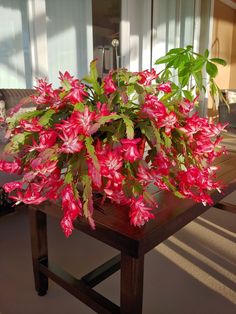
222 39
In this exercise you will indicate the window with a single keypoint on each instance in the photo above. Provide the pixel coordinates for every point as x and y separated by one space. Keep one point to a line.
15 60
69 37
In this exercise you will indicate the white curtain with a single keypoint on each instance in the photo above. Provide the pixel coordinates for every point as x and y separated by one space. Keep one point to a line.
173 25
69 37
136 34
15 64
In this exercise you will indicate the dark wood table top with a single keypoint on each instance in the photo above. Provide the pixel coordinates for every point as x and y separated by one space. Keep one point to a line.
112 221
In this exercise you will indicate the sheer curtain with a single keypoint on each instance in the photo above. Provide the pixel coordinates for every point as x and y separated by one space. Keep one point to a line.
15 64
173 25
136 34
69 37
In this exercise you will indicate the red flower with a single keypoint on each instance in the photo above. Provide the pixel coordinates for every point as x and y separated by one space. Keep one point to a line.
71 207
117 196
146 77
139 213
165 87
84 121
94 174
194 183
11 186
67 225
162 164
102 110
168 121
76 94
130 149
44 168
110 161
153 107
32 126
71 143
144 175
47 138
46 94
109 85
68 77
10 167
31 196
68 127
186 106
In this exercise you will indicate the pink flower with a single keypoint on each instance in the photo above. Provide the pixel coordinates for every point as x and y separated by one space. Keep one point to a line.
68 77
146 77
72 209
202 145
84 121
162 164
165 87
168 121
130 149
47 138
50 185
71 144
194 183
32 126
102 110
67 225
76 94
153 107
144 175
186 106
11 186
109 85
213 130
68 127
31 196
44 168
110 160
70 204
46 95
116 196
195 124
139 213
10 167
115 181
94 174
159 169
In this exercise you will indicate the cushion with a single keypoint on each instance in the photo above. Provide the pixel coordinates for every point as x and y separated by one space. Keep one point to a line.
13 96
2 106
2 116
9 98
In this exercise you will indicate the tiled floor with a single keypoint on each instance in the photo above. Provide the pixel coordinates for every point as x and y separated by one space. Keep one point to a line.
192 272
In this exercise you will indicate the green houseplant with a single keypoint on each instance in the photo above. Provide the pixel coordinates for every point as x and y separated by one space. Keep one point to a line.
116 138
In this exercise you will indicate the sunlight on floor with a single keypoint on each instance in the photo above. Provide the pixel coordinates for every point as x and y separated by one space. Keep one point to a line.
208 238
217 242
232 234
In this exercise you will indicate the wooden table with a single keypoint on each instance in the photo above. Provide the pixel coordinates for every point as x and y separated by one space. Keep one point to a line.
112 228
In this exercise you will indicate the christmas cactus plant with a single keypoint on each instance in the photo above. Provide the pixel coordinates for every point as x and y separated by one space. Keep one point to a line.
115 137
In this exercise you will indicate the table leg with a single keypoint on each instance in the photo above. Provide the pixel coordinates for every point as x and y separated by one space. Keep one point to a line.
39 247
131 293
